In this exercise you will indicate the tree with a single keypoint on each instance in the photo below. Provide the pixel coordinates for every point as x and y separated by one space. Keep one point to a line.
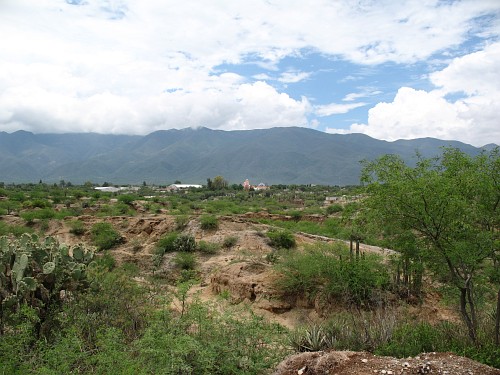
442 213
219 183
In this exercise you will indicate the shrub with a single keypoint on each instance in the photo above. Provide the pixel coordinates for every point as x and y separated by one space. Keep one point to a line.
197 342
209 222
185 261
16 230
334 208
106 261
76 227
281 239
104 236
126 199
185 243
166 243
328 271
40 214
181 221
208 247
296 215
230 241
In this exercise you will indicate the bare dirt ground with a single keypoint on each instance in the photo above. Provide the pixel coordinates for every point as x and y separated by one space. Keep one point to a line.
362 363
243 275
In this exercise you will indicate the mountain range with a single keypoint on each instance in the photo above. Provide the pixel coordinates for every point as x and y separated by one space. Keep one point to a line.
277 155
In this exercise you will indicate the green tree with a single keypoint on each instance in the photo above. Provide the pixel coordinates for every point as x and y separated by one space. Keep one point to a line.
443 212
219 183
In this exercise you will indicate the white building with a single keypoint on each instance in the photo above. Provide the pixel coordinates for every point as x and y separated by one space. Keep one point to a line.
177 187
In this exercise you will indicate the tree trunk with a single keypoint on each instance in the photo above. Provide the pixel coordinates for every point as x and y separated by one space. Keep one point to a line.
472 305
497 321
465 315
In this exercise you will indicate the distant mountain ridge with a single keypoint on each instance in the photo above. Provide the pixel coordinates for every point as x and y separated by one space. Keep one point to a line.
277 155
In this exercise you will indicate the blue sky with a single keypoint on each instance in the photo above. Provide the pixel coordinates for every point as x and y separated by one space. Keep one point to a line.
388 69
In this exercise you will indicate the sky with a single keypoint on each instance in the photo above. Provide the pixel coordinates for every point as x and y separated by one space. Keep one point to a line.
390 69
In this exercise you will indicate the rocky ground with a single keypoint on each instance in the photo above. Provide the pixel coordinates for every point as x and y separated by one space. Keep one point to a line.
361 363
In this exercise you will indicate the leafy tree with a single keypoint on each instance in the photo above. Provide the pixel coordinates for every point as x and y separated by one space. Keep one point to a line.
219 183
444 212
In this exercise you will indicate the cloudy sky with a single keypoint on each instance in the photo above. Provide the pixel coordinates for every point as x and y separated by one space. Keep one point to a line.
389 69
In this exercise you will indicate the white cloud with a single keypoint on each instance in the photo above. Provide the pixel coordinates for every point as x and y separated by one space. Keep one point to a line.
416 113
412 114
358 95
293 77
335 109
137 66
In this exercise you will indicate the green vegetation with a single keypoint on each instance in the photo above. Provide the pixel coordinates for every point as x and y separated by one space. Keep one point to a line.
333 209
209 222
114 327
181 221
34 273
230 241
185 243
387 332
76 227
166 244
104 236
208 247
281 239
185 261
330 273
81 313
443 215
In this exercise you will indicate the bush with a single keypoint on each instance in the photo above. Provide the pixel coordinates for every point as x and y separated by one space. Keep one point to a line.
104 236
197 342
334 208
209 222
40 214
281 239
126 199
328 271
185 261
166 243
230 241
16 230
76 227
181 221
296 215
208 247
185 243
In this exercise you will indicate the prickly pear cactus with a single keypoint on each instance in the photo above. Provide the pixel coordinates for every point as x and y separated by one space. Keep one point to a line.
36 271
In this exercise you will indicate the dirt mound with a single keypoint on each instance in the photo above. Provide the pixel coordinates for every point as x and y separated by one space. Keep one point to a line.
362 363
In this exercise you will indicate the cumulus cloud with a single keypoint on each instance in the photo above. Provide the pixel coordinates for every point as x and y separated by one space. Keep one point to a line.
472 118
126 66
